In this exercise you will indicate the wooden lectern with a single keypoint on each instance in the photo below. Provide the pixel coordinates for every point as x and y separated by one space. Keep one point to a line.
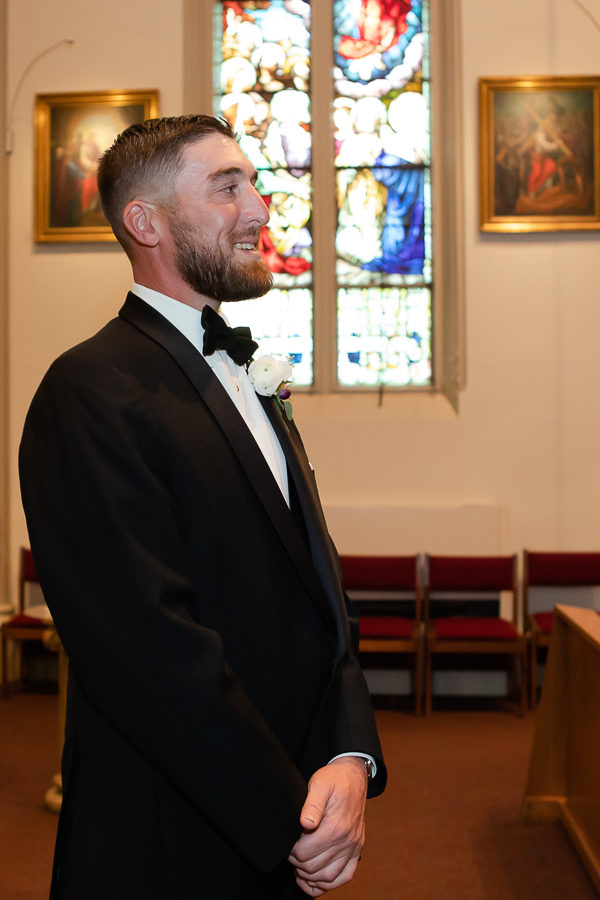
564 770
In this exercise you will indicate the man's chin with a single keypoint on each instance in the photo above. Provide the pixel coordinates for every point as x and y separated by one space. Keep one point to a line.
229 285
250 295
251 288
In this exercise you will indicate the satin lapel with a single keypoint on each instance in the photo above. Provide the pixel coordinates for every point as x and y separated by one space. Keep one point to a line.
242 442
322 551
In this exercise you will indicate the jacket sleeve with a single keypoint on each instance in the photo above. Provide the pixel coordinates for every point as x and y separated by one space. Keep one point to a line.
115 573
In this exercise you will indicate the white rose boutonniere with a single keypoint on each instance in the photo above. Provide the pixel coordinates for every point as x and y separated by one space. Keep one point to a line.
270 378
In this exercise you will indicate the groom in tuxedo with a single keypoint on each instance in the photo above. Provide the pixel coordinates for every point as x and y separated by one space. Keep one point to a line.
220 741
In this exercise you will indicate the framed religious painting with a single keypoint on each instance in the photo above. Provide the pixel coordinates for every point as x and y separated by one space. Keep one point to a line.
539 152
71 133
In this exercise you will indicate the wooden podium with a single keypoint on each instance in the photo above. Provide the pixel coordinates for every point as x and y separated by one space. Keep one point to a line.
564 770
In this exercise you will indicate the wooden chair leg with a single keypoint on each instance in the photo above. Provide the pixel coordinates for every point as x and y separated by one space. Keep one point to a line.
4 668
10 687
428 681
518 680
523 668
533 672
512 680
418 670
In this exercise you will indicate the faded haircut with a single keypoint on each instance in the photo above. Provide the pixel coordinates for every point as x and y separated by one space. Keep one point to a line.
144 161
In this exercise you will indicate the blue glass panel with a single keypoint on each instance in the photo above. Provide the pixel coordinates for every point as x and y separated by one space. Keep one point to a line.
384 336
381 221
382 156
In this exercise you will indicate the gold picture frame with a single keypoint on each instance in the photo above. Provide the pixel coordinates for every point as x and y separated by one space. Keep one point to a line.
71 132
539 153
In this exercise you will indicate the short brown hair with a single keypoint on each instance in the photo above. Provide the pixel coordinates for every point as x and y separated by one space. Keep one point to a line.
147 157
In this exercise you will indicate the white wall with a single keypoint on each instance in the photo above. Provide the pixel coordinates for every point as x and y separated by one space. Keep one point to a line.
527 437
526 441
60 294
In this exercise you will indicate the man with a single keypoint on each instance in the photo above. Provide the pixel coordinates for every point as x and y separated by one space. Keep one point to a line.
219 734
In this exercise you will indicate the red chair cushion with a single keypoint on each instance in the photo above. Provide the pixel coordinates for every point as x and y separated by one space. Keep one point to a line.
385 626
379 573
477 627
544 621
563 568
472 573
23 619
27 565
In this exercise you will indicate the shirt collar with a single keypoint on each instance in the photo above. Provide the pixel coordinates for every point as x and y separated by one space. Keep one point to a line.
185 318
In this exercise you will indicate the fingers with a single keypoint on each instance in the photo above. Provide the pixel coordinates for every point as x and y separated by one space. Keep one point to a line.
326 866
317 886
327 853
309 889
329 857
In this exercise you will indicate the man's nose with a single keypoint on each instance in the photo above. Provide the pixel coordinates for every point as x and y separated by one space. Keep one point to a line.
257 210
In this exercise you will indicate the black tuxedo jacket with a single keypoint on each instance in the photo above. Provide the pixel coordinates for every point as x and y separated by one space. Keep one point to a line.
211 662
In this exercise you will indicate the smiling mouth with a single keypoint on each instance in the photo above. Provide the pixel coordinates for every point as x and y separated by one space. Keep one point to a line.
247 241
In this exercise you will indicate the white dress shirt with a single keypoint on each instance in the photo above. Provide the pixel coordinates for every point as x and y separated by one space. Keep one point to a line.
234 378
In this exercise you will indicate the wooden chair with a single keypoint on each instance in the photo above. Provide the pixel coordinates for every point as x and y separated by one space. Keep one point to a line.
23 626
386 592
462 614
552 570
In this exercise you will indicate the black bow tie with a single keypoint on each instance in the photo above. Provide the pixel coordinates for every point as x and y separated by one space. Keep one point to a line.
218 336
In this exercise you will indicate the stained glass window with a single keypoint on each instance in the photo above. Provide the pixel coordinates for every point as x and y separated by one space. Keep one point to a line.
383 238
382 251
264 94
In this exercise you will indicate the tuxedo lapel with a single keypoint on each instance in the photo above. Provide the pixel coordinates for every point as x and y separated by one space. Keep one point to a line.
321 547
237 433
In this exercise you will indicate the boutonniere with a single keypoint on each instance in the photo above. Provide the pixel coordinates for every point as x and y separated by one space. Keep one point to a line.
271 377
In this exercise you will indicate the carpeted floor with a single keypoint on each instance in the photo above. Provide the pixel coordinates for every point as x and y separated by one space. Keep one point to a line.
447 828
29 751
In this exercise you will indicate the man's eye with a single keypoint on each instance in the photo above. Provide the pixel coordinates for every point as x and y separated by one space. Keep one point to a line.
230 188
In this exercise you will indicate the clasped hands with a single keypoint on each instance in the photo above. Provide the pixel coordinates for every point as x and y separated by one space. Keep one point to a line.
333 820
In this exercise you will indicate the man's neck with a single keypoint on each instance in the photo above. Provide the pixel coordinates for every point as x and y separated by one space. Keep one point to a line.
175 288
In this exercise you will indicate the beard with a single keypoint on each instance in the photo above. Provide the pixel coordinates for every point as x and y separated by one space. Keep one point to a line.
212 272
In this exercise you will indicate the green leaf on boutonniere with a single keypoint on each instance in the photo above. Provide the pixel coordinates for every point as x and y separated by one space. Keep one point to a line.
284 407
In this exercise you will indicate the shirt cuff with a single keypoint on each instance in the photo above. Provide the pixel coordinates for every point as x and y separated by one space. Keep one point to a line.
361 755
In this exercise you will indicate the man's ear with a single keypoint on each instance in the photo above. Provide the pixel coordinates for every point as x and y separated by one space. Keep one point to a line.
143 222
